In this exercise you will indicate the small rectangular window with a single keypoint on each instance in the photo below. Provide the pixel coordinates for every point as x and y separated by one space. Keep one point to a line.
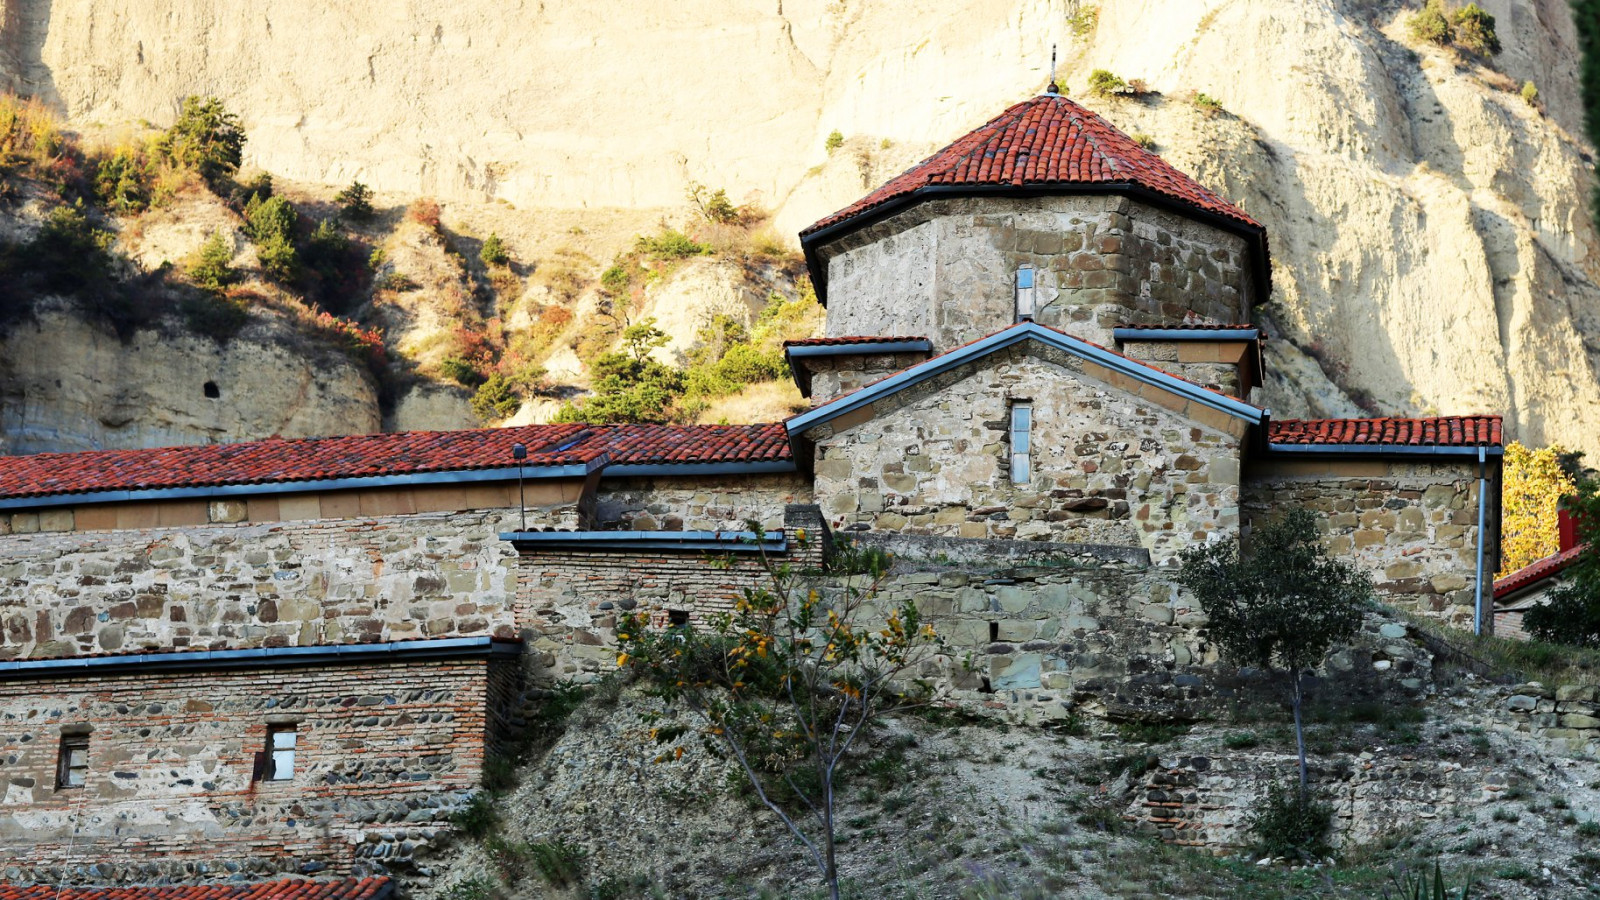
1021 442
1025 293
280 753
72 769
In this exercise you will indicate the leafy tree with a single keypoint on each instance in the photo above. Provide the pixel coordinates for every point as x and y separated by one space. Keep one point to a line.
1530 93
122 181
670 244
493 252
786 685
1104 84
1531 491
355 202
496 398
714 206
630 385
206 138
212 268
70 255
835 141
1475 30
270 223
1283 606
1572 615
1430 24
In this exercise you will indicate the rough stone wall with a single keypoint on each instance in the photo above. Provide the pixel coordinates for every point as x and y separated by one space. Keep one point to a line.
1217 365
834 376
568 601
384 753
946 268
248 585
1567 713
1109 466
702 504
1207 801
1413 525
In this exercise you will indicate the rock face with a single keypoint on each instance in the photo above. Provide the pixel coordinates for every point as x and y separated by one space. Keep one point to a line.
1432 246
66 384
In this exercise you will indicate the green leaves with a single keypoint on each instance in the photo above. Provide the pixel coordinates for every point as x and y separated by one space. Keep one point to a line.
1572 615
1283 606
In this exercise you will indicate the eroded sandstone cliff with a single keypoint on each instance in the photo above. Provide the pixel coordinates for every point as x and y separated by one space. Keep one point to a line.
1433 250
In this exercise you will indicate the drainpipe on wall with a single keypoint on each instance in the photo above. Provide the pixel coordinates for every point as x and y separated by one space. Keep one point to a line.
1483 504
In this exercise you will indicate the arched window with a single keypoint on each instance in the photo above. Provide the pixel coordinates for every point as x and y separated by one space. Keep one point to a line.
1025 293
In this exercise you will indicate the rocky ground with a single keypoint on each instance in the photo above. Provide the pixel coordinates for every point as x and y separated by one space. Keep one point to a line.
943 806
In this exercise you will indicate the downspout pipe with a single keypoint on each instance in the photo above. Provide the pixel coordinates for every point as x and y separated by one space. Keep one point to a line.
1483 505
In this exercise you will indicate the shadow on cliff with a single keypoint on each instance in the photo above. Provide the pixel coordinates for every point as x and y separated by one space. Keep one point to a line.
24 27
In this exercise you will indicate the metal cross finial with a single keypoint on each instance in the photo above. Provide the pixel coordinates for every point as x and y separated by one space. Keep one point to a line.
1053 88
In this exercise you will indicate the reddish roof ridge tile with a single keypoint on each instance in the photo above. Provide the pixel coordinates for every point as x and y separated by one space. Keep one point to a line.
1191 326
1537 571
1435 431
1044 141
284 889
278 460
852 339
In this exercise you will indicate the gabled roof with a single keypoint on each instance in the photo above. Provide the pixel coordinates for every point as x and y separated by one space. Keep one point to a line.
1045 141
846 340
316 461
288 889
1537 571
1439 431
1117 364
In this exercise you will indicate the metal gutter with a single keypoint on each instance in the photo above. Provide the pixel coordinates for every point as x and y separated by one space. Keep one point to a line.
922 345
1186 334
999 341
1470 452
463 476
265 657
695 541
1257 234
1483 505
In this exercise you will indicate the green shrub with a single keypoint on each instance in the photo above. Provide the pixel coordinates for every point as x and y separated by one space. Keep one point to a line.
69 254
478 818
1289 824
616 279
835 141
1530 93
1104 84
1474 30
1588 830
212 267
851 558
496 398
1145 141
493 252
1411 885
469 889
355 202
461 371
122 181
1241 740
1207 104
560 862
1430 24
270 223
214 315
206 138
1084 20
670 244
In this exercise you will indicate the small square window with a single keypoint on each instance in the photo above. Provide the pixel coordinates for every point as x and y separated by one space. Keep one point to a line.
280 753
1025 293
72 769
677 618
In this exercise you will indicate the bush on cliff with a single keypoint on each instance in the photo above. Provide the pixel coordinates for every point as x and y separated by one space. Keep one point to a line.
1572 616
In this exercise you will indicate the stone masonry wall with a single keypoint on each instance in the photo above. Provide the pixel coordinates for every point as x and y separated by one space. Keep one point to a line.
835 376
384 754
945 268
1109 466
1214 364
1413 525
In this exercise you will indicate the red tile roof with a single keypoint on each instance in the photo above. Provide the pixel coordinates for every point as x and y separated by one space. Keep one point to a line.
850 339
1442 431
289 889
1191 326
1537 571
358 456
1048 140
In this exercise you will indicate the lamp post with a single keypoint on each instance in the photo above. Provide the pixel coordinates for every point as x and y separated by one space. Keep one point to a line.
519 452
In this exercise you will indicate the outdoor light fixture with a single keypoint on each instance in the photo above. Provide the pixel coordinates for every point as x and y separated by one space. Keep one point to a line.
519 452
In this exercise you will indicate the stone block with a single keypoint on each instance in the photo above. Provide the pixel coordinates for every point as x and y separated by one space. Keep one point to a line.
1522 703
56 520
1014 598
1580 693
1579 720
227 511
1017 671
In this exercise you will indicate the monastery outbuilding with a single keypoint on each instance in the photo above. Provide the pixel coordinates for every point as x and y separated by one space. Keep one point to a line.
1039 385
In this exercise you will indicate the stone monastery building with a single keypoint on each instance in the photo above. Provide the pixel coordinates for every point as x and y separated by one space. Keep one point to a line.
1038 386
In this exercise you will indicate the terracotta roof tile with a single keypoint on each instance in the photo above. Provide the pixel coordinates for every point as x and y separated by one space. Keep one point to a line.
277 461
1537 571
1441 431
288 889
1191 326
850 339
1047 140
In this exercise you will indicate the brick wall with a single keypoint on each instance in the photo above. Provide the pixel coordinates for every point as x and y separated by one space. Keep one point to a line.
1109 466
385 752
1412 525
